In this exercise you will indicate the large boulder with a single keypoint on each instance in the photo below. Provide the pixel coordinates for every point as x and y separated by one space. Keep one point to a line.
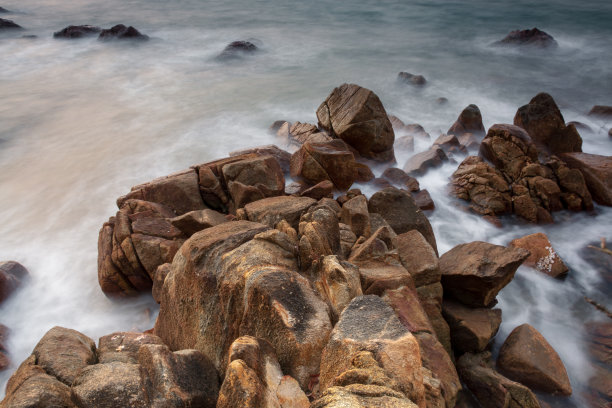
475 272
333 161
319 235
469 121
356 115
338 282
533 38
527 357
79 31
391 344
471 328
542 255
12 275
597 172
542 119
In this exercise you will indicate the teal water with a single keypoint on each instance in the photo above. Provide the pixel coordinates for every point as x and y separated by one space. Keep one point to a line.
83 121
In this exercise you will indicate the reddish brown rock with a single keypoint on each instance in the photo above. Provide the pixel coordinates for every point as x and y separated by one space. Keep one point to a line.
282 157
423 200
378 275
527 357
475 272
471 328
338 282
195 221
356 115
543 257
602 111
364 173
108 386
597 172
271 211
319 235
333 161
324 189
401 179
532 38
450 144
420 163
418 257
12 275
123 346
469 121
542 119
355 214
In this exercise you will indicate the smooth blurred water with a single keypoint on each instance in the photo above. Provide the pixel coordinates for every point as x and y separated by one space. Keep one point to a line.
83 121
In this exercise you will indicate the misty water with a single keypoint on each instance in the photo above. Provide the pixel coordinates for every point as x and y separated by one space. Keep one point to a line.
83 121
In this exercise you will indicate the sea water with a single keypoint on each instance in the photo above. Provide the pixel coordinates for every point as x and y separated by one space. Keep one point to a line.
82 121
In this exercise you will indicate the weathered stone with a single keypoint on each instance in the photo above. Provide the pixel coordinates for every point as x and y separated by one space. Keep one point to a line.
542 119
450 144
79 31
158 280
319 233
375 246
123 347
282 157
418 257
542 255
63 353
237 49
401 179
527 357
423 200
362 396
475 272
400 211
469 121
355 214
404 143
12 275
378 275
470 141
338 282
154 251
532 38
420 163
184 378
121 32
471 328
320 190
195 221
211 190
156 227
412 79
601 111
347 239
271 211
405 302
108 386
110 278
356 115
252 179
597 172
430 297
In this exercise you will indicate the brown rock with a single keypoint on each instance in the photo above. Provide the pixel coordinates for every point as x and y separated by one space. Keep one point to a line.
418 257
469 121
423 200
400 211
378 275
347 239
531 38
431 300
412 79
154 251
405 302
470 141
404 143
63 353
601 111
319 235
195 221
158 280
12 275
210 187
356 115
123 347
355 214
241 387
338 282
401 179
282 157
271 211
597 172
542 119
374 247
110 278
450 144
527 357
420 163
320 190
475 272
471 328
543 257
333 161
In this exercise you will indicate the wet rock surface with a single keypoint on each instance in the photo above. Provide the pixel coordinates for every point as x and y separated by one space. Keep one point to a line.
122 32
78 31
532 38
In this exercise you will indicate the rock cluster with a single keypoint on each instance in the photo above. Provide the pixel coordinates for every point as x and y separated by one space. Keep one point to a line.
117 32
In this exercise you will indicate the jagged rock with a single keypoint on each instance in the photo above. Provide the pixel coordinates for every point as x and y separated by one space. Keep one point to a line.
408 78
320 190
195 221
475 272
533 38
338 282
12 276
282 157
471 328
450 144
356 115
152 252
378 275
9 25
420 163
123 347
491 388
392 345
400 178
418 257
469 121
108 386
184 378
423 200
319 235
355 214
430 297
364 173
542 119
237 49
333 161
400 211
271 211
5 362
347 239
79 31
542 255
375 246
527 357
299 133
597 172
121 32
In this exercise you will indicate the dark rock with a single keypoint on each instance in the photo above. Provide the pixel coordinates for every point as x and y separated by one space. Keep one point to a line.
356 115
533 38
3 10
597 172
9 25
109 386
423 200
364 173
469 121
471 328
420 163
12 276
237 49
475 272
527 357
450 144
441 100
79 31
121 32
401 179
320 190
408 78
601 111
542 255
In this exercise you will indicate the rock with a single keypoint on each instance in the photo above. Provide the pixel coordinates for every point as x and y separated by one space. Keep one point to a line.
441 100
338 282
333 161
599 342
123 347
274 127
602 111
400 211
533 38
527 357
405 143
469 121
364 173
3 10
5 362
282 157
320 190
491 388
597 172
184 378
475 272
418 257
420 163
152 252
378 275
111 279
240 278
108 386
121 32
79 31
12 276
237 49
423 200
362 396
450 144
469 141
401 179
412 79
355 214
347 239
405 302
9 25
356 115
542 119
374 247
391 344
471 328
543 257
63 353
270 211
319 235
299 133
195 221
483 186
158 281
430 297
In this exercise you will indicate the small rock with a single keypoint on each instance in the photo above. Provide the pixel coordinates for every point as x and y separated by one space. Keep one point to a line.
9 25
401 179
420 163
602 111
533 37
442 100
471 328
3 10
469 121
195 221
543 257
79 31
355 214
121 32
450 144
423 200
323 189
12 276
237 49
412 79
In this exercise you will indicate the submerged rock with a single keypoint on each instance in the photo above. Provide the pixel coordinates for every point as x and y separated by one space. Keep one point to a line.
601 111
236 49
542 255
12 276
3 10
79 31
9 25
533 38
408 78
121 32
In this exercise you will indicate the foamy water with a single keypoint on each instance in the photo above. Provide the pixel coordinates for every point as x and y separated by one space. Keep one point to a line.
83 121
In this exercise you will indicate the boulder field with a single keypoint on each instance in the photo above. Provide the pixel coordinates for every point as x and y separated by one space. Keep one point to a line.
278 295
